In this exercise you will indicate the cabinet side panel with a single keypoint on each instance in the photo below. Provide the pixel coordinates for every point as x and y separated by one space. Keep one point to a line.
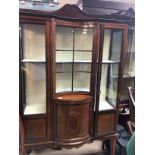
35 129
106 123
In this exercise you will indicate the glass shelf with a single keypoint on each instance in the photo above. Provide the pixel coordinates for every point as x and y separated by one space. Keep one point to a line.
75 90
33 60
79 61
128 76
83 50
74 72
110 62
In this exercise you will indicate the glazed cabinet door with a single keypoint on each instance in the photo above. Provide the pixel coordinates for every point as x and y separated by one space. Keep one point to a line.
33 80
110 66
111 60
110 72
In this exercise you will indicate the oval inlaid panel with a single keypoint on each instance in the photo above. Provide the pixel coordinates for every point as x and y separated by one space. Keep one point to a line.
73 121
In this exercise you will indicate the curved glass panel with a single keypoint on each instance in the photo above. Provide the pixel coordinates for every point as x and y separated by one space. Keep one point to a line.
73 58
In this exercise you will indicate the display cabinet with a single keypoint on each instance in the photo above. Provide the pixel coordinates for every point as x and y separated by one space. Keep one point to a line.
71 68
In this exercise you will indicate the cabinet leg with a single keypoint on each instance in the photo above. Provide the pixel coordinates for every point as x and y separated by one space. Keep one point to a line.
55 146
113 145
28 151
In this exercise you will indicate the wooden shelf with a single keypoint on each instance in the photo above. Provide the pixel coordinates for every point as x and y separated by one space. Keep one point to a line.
72 97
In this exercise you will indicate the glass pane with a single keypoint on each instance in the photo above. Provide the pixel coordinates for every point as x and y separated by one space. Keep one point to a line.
35 88
103 83
112 45
80 67
112 83
108 86
34 41
63 82
117 37
64 38
129 68
106 44
83 56
64 53
64 56
81 81
63 67
83 39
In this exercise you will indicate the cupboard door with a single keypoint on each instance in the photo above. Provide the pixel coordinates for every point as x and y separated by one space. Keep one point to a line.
73 122
33 69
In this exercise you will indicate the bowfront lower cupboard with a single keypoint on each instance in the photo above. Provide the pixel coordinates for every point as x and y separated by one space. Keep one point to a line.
71 67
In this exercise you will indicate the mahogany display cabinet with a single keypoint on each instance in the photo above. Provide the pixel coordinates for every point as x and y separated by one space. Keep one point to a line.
71 67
